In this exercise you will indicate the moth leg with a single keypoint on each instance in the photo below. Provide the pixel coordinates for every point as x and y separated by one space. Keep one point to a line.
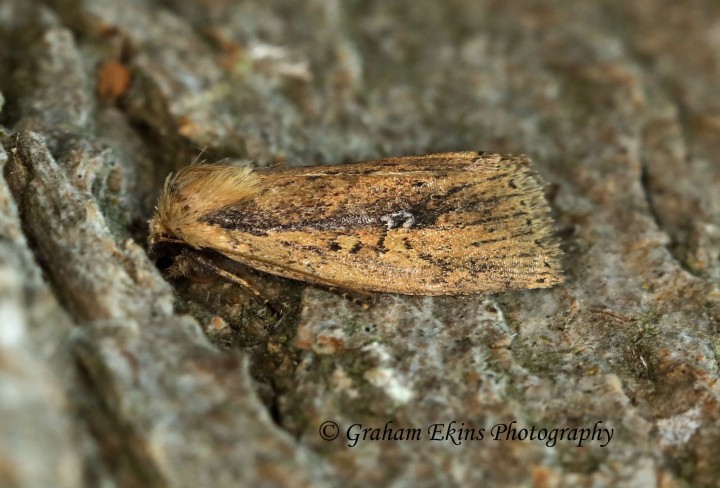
264 299
360 298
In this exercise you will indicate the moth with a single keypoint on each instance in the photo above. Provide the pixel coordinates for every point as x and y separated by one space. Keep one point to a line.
442 224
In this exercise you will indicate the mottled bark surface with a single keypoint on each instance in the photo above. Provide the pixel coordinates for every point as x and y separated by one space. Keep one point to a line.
112 376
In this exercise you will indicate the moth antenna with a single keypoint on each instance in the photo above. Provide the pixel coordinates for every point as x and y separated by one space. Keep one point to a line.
197 158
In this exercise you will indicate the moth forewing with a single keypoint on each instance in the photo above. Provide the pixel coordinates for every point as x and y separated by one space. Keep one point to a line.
442 224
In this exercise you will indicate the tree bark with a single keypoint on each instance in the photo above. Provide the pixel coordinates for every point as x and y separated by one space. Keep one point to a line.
112 375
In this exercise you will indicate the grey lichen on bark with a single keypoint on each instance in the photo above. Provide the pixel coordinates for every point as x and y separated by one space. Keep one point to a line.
109 373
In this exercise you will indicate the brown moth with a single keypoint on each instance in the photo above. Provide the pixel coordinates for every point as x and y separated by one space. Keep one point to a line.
442 224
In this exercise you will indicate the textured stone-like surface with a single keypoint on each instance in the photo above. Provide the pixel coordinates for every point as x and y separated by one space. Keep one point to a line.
104 380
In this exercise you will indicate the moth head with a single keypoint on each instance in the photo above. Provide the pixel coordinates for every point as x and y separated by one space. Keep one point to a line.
188 196
165 255
177 260
171 255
